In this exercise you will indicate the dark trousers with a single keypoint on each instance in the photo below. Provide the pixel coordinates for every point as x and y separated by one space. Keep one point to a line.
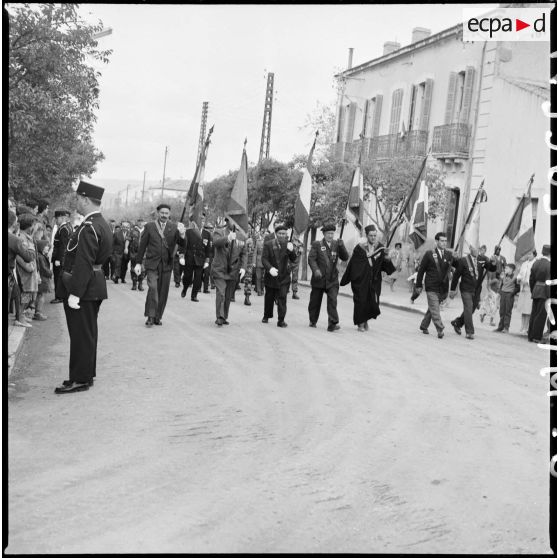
470 303
315 304
224 291
117 262
177 270
14 296
108 267
192 276
279 295
82 327
537 320
259 276
158 282
56 271
124 266
506 307
206 277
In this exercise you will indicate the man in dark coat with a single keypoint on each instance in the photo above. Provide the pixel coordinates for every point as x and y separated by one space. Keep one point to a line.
322 260
277 253
158 243
229 264
471 269
207 239
118 242
133 247
364 272
196 256
59 244
125 254
540 291
434 268
83 287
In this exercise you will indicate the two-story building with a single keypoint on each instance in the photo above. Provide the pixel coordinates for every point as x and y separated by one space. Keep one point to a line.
477 105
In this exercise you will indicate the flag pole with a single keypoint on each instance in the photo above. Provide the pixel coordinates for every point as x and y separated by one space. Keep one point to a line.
344 220
528 193
408 198
475 202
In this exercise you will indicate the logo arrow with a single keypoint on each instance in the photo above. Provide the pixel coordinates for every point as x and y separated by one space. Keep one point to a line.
519 25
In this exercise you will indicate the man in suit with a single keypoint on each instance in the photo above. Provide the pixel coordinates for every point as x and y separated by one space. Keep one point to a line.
322 260
434 268
125 254
229 264
132 245
277 253
83 287
118 242
61 238
258 252
207 239
158 243
196 258
540 291
471 269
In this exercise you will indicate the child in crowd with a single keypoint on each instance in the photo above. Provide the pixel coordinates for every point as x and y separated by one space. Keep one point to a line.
508 289
491 301
27 271
45 275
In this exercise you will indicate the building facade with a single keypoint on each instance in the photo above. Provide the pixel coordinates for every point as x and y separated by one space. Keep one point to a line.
476 105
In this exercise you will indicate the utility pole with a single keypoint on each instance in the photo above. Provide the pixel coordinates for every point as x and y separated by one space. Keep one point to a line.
143 190
127 190
205 106
266 127
164 170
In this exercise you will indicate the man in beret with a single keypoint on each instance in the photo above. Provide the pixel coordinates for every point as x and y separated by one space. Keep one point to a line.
61 238
540 291
82 286
158 243
364 272
277 253
322 259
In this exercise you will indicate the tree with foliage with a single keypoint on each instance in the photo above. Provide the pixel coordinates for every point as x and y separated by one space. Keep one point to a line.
53 93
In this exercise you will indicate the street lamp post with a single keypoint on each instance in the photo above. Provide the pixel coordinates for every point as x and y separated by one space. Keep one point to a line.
164 170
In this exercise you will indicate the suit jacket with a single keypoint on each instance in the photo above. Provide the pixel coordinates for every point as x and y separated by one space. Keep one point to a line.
207 239
470 281
60 242
277 256
88 249
324 259
118 241
435 271
229 257
194 250
540 272
156 249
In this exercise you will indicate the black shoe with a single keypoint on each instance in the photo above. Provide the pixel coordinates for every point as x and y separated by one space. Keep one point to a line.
456 328
219 321
183 293
157 321
295 296
333 327
312 324
205 291
115 280
194 299
140 287
265 320
499 329
134 287
149 322
225 322
424 330
69 382
281 324
71 387
440 334
123 281
176 285
247 301
469 336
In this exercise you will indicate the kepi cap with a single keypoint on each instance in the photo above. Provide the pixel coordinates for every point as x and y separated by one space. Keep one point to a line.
546 250
90 191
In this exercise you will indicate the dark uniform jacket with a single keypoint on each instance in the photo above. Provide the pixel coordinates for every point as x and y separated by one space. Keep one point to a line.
277 256
157 249
471 282
229 257
118 241
540 272
60 242
88 249
435 271
194 250
207 239
322 258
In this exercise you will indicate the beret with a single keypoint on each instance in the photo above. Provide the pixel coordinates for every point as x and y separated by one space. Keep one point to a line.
280 227
163 206
369 228
328 227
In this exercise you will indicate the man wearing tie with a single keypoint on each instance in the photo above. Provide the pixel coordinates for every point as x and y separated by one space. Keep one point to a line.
471 270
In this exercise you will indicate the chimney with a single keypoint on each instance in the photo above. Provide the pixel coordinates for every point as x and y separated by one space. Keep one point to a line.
391 46
420 33
350 63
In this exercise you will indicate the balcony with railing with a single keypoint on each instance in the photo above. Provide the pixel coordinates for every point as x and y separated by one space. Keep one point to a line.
451 141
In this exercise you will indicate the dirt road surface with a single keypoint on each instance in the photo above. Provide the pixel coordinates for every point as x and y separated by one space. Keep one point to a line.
252 438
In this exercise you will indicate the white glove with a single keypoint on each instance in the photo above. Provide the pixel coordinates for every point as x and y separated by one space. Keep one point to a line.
242 273
125 252
181 228
232 235
137 269
73 302
290 246
206 265
56 263
181 260
274 272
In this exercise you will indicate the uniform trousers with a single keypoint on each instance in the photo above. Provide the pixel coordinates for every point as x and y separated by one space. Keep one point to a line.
279 295
82 327
470 303
506 307
433 299
158 282
537 320
315 304
192 276
56 269
224 291
117 259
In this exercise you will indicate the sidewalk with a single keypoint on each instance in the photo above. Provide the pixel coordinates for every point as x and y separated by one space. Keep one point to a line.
15 342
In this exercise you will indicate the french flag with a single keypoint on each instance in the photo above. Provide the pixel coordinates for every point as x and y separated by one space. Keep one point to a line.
520 230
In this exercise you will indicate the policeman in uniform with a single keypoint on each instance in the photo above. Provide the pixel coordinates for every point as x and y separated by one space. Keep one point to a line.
59 244
132 246
83 287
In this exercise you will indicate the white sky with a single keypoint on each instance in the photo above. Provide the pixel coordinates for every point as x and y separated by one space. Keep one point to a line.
168 59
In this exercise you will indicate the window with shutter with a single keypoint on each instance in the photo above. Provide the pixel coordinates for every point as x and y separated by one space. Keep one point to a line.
451 98
377 116
367 104
413 106
351 113
469 81
458 101
427 101
395 117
